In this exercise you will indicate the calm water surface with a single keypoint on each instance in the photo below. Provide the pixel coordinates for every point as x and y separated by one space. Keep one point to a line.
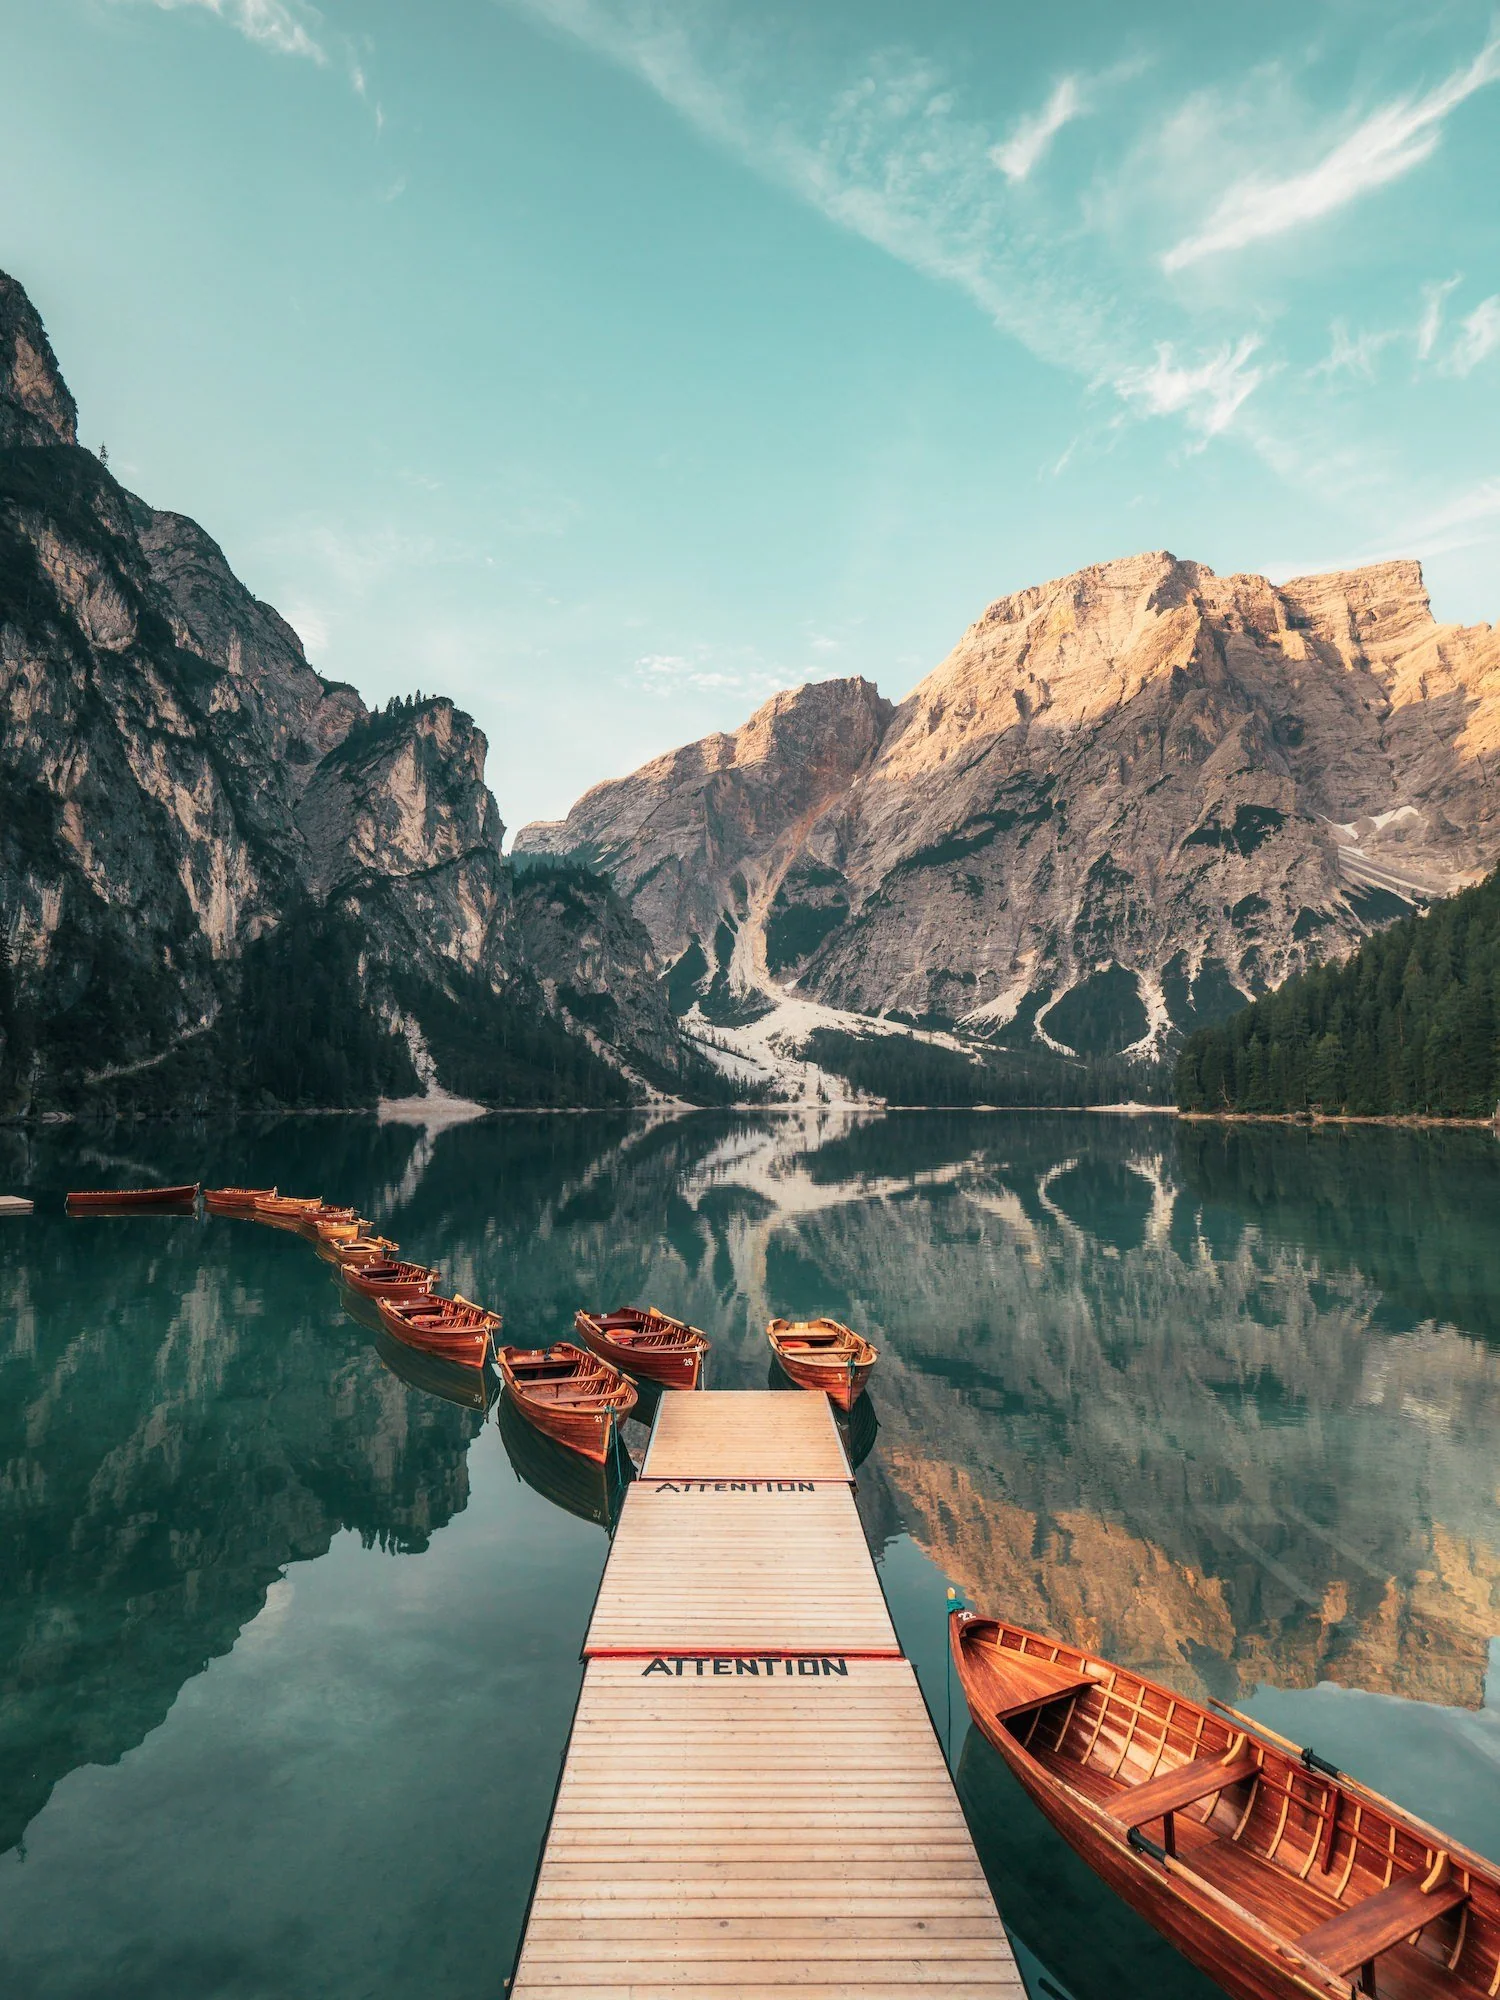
289 1643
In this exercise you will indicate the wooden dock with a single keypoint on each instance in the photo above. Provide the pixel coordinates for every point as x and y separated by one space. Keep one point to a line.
754 1802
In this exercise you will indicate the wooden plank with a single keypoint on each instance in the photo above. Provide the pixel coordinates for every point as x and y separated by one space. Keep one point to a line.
754 1803
1183 1786
1364 1930
770 1835
747 1568
746 1434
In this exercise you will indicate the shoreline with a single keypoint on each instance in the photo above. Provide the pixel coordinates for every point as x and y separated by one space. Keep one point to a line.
442 1113
1408 1120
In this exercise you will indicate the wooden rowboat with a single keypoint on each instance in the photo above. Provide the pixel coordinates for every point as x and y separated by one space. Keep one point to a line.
571 1395
589 1491
822 1354
364 1250
468 1388
232 1200
83 1200
1275 1873
329 1235
333 1225
646 1342
455 1329
288 1209
390 1280
328 1212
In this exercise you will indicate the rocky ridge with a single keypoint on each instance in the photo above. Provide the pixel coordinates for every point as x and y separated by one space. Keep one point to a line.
222 876
1127 801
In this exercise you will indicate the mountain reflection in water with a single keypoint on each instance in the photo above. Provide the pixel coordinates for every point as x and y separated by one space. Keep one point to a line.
1219 1403
171 1440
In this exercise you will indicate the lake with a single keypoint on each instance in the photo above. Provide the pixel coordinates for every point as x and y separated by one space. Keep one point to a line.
289 1643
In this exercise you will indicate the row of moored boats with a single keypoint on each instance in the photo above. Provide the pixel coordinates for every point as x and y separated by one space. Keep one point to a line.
578 1394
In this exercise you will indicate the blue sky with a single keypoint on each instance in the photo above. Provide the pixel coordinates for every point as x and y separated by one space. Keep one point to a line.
610 363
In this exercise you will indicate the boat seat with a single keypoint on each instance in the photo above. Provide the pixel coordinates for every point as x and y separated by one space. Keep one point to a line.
1354 1937
1020 1682
1184 1786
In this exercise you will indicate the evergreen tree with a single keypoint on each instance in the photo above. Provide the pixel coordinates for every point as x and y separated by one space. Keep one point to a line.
1409 1024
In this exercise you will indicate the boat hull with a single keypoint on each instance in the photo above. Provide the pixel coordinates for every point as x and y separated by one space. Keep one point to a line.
434 1375
570 1395
591 1433
288 1209
1243 1931
85 1201
591 1491
844 1386
1194 1931
375 1250
332 1229
674 1367
234 1201
466 1347
358 1277
823 1354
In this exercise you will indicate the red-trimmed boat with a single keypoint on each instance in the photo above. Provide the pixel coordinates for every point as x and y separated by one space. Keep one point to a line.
390 1280
360 1250
570 1394
469 1388
823 1354
330 1211
646 1342
331 1225
290 1210
85 1201
1275 1873
453 1329
233 1200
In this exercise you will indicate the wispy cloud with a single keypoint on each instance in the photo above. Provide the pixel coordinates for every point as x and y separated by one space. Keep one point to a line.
880 147
282 25
1207 393
1352 354
1468 517
888 145
287 28
705 671
356 560
1030 138
1389 143
1430 325
1477 339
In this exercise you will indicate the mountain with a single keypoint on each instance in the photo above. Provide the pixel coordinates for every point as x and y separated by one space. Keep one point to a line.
1127 802
1406 1026
223 879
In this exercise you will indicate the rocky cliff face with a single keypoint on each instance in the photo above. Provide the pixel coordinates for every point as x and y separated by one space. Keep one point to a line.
221 874
703 842
35 406
599 970
1125 801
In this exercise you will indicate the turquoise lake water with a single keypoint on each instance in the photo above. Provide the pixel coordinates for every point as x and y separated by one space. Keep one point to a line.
289 1643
